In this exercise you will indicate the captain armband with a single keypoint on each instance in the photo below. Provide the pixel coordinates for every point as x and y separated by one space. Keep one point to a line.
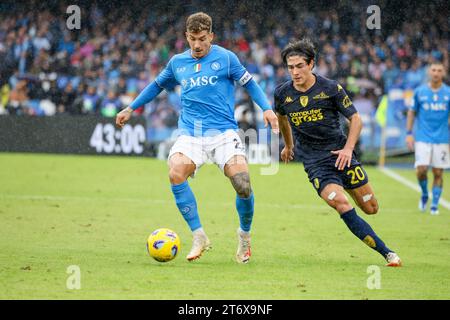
246 77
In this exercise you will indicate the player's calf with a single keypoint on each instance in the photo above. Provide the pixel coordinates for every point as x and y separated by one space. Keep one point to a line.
245 202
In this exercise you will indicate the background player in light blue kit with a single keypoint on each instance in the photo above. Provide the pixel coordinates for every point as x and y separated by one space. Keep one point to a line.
431 108
207 74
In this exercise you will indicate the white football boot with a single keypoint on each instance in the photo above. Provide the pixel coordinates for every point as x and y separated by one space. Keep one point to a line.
393 260
423 204
200 244
244 251
434 210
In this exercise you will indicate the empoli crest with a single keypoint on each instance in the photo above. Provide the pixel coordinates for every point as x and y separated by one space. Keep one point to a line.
304 101
370 241
316 183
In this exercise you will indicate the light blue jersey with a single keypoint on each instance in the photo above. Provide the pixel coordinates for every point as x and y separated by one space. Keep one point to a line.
432 112
207 89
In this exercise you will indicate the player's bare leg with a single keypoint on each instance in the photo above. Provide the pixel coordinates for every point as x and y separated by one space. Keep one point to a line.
438 182
180 168
421 172
336 198
364 198
236 170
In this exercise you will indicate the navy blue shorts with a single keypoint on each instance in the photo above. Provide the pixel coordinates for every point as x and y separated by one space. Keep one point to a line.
325 173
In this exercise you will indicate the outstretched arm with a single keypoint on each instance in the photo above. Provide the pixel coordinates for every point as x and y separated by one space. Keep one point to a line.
257 94
238 73
147 95
165 80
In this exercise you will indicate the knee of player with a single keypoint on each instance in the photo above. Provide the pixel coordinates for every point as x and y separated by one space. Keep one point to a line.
371 207
244 191
176 176
422 173
339 202
241 183
438 177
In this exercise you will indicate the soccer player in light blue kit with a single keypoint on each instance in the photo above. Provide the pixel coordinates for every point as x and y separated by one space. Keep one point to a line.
208 128
431 108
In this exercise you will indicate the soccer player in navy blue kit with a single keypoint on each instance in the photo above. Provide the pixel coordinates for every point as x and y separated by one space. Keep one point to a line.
207 126
308 108
431 143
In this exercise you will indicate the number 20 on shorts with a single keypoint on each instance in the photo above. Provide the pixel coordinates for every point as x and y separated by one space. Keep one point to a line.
357 175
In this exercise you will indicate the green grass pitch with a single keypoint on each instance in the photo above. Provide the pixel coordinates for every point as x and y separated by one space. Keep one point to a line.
97 212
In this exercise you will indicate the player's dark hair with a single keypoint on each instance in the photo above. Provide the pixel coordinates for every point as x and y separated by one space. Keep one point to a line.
303 48
198 22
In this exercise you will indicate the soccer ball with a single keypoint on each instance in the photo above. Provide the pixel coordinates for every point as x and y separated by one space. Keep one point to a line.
163 245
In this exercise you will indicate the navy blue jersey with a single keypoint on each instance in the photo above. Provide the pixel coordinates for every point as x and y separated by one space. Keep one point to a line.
314 117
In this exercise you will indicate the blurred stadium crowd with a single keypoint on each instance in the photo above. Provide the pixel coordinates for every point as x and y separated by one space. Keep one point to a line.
47 69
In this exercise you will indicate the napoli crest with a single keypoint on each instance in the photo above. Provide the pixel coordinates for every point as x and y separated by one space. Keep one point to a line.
215 66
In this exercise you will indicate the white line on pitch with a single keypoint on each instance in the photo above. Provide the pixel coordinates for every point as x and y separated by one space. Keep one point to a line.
281 205
152 201
410 184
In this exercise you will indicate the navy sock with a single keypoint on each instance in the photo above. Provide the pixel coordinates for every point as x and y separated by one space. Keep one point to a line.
364 232
186 203
245 208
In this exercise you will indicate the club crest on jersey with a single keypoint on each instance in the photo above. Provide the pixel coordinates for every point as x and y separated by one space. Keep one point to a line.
215 66
304 101
316 183
197 67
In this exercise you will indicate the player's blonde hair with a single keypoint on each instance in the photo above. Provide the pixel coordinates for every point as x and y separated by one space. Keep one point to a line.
198 22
